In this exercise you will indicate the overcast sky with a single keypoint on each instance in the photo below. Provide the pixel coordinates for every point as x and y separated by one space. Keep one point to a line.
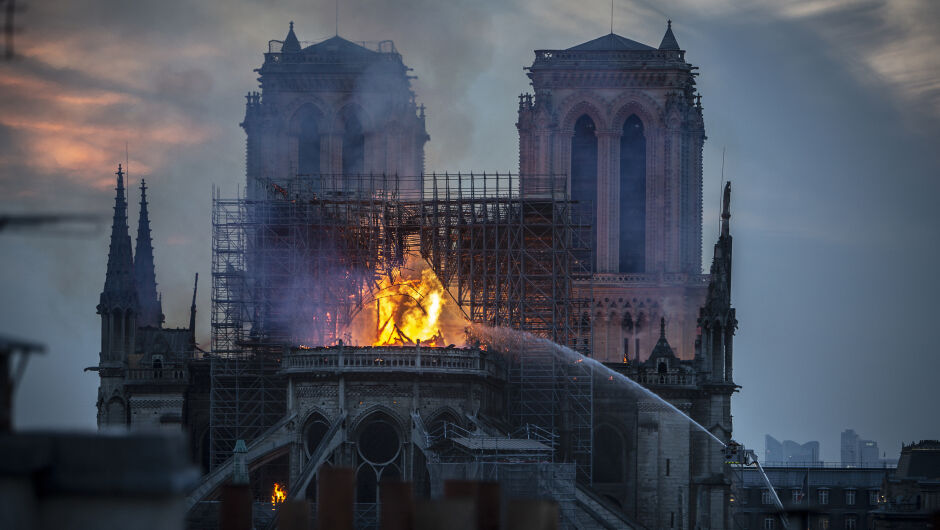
828 110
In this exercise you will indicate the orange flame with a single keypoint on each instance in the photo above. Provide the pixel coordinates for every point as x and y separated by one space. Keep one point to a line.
408 311
279 495
407 306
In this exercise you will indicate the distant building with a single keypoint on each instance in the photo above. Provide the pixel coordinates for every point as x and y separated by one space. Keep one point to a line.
868 453
910 497
790 452
859 453
849 447
829 497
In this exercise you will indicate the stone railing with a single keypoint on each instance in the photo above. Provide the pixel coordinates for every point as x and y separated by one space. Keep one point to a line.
554 57
652 279
392 359
666 379
165 374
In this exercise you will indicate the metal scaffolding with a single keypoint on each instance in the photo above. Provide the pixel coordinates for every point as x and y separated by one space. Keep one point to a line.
295 265
510 255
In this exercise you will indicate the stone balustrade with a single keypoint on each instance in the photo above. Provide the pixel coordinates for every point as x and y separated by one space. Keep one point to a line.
165 374
675 379
392 359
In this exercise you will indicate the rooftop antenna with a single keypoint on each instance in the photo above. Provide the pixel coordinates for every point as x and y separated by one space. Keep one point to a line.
611 17
337 18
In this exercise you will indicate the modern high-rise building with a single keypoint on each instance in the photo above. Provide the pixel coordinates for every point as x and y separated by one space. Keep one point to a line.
857 452
790 452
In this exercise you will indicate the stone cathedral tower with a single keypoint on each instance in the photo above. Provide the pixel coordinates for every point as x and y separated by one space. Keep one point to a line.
333 108
623 120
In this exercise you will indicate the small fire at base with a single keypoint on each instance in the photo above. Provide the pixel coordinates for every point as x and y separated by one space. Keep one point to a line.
279 495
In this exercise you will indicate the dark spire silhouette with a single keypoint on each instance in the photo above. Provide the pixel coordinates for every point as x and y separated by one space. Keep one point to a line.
119 291
662 347
669 40
291 44
192 312
145 279
726 210
719 288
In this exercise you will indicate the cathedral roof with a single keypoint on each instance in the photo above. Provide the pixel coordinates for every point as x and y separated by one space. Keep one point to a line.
291 44
669 40
340 46
611 42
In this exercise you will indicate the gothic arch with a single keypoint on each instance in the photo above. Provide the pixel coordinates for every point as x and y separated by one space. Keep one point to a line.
580 104
302 112
379 438
645 107
307 126
365 415
313 430
354 108
116 411
445 413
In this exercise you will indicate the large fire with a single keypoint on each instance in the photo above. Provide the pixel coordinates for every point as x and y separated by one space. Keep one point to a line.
408 311
407 307
279 495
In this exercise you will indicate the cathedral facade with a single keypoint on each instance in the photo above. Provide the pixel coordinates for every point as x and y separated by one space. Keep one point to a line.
621 123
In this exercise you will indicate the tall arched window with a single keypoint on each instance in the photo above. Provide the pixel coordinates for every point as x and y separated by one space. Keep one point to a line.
353 145
308 148
584 174
609 455
633 196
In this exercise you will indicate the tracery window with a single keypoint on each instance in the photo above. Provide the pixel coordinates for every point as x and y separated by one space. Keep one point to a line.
584 173
633 196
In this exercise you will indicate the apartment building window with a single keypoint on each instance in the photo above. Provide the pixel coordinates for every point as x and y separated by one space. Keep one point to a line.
765 497
873 497
823 523
823 496
769 523
667 467
796 496
851 522
850 497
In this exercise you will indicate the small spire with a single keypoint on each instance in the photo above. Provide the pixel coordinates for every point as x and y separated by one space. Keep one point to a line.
145 278
290 44
119 291
669 40
662 328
